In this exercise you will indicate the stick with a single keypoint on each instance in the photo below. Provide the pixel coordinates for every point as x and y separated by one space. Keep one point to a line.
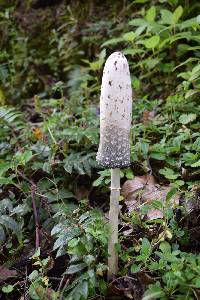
37 226
33 194
113 223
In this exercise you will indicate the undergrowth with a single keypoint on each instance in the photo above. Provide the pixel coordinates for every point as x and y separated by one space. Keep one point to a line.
54 198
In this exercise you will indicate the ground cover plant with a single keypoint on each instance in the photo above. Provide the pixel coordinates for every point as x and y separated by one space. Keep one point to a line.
54 198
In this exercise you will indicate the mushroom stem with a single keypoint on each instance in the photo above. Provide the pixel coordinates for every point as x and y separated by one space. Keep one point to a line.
113 223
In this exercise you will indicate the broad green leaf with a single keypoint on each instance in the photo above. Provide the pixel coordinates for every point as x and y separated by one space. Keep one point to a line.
10 223
2 235
195 73
189 23
75 268
6 206
83 289
187 118
166 17
151 14
169 173
170 194
190 93
135 268
98 181
196 282
177 14
145 251
21 209
132 52
154 292
113 41
4 166
196 145
129 36
165 247
6 181
151 63
152 42
196 164
33 275
7 289
102 286
138 22
158 155
23 157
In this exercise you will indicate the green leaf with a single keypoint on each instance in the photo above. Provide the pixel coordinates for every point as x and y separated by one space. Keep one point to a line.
10 223
34 288
89 259
151 14
33 275
154 292
166 17
129 36
75 268
4 166
23 157
7 289
190 93
6 181
2 235
177 14
113 41
187 118
135 268
158 156
169 173
196 282
145 251
129 174
151 63
165 247
170 194
132 52
83 289
152 42
98 181
102 286
196 164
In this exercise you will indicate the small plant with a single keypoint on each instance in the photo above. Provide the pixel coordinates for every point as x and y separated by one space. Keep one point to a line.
85 241
39 282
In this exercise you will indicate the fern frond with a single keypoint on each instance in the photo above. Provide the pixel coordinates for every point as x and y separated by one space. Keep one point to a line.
11 117
80 162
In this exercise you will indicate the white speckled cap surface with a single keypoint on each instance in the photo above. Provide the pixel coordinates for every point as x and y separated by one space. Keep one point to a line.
115 113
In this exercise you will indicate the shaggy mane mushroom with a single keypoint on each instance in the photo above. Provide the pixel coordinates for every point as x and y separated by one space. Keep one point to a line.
114 146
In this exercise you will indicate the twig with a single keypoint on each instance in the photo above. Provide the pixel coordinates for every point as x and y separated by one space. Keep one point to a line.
33 194
61 283
25 284
66 284
37 226
24 177
123 277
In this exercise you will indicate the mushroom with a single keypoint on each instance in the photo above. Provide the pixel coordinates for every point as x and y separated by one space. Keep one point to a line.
114 146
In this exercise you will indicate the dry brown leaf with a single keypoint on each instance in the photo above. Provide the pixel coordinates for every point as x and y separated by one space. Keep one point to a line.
144 189
148 116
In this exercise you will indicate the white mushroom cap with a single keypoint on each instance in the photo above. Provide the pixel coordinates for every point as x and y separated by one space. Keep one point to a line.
115 113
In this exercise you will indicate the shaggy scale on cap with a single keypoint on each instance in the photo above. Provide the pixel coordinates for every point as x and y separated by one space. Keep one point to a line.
115 113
